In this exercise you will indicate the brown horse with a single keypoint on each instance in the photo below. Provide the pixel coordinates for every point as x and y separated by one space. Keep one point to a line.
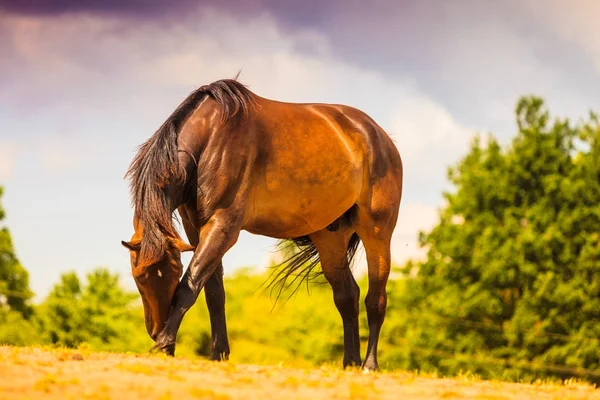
325 176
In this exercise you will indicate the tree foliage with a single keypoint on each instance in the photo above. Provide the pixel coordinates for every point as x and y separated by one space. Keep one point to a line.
14 279
512 267
99 313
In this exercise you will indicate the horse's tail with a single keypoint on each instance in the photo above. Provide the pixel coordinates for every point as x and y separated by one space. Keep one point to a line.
301 264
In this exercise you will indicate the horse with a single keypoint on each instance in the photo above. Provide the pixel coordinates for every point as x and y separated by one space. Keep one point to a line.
323 176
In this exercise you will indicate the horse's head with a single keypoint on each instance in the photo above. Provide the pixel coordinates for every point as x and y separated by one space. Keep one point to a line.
156 279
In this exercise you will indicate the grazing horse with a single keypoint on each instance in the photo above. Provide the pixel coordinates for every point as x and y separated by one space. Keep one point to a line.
324 176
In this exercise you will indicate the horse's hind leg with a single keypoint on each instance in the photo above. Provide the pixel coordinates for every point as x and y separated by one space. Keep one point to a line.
378 260
332 248
375 225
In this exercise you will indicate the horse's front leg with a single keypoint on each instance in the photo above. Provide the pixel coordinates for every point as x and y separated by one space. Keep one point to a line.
216 237
214 291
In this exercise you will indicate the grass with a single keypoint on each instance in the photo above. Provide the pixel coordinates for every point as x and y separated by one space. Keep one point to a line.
46 373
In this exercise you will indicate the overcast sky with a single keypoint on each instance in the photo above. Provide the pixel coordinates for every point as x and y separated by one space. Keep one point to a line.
82 83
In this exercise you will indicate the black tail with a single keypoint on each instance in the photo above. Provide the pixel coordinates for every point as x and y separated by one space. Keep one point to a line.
301 264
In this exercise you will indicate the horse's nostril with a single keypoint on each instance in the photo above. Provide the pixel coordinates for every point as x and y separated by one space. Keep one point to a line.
154 335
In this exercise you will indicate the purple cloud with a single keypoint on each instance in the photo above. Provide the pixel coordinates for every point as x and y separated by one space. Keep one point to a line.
53 7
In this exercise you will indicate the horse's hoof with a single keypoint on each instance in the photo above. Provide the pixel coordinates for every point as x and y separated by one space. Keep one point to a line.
370 366
348 363
168 349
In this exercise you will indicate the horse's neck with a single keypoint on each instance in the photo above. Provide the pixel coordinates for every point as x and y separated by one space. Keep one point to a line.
176 195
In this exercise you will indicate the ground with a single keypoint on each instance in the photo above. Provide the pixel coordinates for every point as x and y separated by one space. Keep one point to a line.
27 373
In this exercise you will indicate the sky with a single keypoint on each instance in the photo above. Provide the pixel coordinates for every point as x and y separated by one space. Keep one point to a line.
83 83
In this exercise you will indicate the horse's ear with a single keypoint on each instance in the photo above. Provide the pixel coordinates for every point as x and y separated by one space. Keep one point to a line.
181 245
133 246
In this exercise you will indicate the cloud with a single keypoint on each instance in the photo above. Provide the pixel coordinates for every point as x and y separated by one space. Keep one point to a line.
55 7
156 61
305 11
423 128
413 218
9 150
61 154
576 22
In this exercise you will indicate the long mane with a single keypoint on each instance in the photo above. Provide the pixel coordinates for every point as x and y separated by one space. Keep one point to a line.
156 167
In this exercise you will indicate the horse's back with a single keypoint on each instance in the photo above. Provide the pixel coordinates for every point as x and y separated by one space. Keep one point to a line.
349 123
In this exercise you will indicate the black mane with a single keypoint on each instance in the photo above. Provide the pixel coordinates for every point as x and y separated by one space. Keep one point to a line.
156 166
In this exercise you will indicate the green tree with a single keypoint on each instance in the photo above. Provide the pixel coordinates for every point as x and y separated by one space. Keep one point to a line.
14 279
510 278
16 327
99 313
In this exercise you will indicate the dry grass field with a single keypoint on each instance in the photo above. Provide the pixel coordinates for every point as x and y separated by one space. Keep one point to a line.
38 373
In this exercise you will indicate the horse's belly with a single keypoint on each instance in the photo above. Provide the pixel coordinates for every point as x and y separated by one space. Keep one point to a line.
300 201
